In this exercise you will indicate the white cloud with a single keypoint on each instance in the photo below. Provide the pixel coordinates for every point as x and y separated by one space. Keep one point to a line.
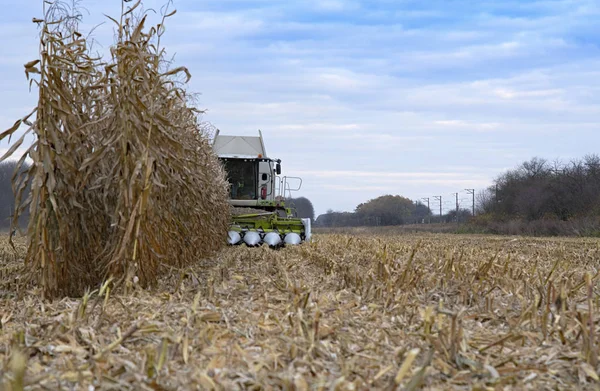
465 125
334 5
318 127
381 174
339 81
216 25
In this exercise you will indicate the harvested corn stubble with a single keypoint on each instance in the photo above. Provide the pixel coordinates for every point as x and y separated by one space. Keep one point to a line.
433 312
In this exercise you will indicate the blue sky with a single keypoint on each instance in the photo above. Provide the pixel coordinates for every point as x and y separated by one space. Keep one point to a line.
364 98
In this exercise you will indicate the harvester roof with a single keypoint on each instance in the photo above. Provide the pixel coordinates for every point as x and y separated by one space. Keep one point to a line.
239 146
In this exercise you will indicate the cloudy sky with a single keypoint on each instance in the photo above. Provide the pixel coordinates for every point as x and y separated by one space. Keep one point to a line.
365 98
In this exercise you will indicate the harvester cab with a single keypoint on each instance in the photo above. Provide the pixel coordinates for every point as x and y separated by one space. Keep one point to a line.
258 194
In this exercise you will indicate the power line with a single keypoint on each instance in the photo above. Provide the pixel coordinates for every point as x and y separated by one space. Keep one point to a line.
447 206
472 192
439 198
456 194
428 210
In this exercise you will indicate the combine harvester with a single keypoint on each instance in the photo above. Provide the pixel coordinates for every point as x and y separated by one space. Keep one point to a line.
258 193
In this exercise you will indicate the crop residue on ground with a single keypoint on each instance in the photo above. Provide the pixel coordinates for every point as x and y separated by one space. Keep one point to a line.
344 312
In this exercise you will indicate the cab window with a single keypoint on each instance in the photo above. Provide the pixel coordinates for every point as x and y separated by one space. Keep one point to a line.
242 176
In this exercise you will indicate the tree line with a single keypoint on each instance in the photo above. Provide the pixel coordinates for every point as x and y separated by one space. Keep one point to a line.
303 207
381 211
536 191
540 189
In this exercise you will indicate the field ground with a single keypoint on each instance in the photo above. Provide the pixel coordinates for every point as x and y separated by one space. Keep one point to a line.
414 311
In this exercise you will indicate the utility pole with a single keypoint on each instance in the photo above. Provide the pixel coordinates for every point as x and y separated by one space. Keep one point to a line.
456 194
439 198
416 210
472 192
428 210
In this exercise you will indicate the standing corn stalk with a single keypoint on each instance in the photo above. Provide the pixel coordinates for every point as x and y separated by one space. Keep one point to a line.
123 179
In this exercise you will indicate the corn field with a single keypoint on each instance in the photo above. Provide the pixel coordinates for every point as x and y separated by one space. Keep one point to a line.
425 311
123 182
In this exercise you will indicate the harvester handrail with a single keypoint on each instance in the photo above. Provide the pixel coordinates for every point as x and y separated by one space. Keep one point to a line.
293 177
285 190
